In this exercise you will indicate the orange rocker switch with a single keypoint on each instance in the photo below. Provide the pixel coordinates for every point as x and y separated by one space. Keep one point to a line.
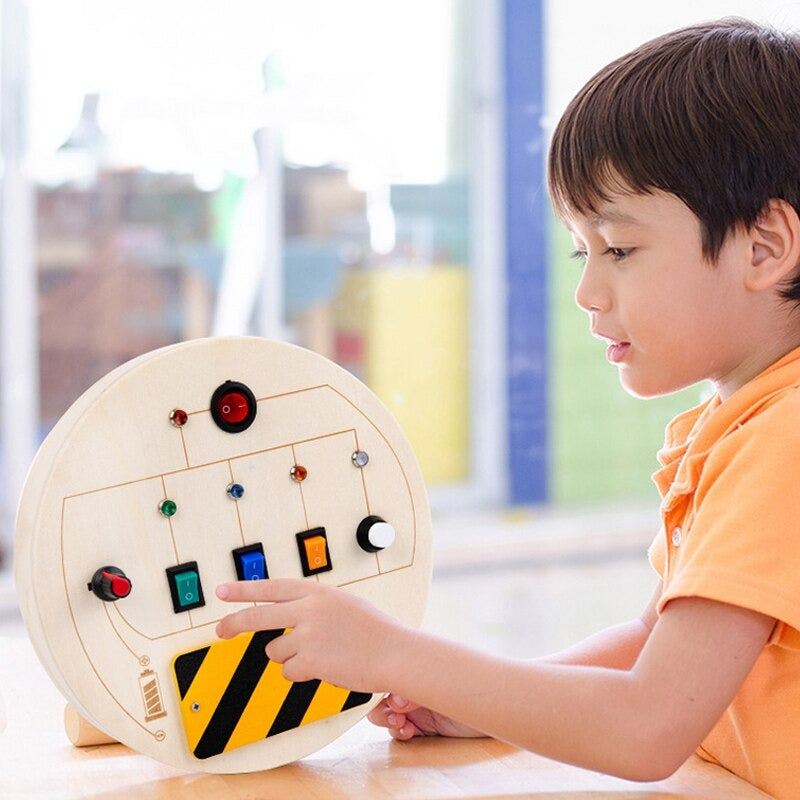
314 554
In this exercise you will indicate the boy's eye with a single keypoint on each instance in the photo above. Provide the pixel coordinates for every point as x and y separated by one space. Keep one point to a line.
578 255
617 253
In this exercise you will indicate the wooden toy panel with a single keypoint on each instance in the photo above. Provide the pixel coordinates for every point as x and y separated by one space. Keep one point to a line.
129 521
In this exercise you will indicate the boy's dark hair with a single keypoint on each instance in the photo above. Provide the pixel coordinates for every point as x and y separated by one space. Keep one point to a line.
710 113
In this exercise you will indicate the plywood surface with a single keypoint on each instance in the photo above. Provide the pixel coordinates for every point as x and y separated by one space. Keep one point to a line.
93 506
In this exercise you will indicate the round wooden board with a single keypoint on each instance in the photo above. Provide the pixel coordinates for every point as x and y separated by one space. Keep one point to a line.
92 501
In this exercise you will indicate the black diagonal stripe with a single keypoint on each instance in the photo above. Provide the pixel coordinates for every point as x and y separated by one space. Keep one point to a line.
236 696
294 706
186 667
356 699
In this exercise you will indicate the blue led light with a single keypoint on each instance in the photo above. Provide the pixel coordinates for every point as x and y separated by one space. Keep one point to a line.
235 491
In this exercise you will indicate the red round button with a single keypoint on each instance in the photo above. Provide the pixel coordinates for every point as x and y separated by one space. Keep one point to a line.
233 407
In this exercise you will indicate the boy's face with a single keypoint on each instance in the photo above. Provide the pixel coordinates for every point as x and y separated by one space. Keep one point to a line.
669 317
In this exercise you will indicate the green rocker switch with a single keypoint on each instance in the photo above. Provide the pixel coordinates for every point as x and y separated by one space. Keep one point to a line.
185 587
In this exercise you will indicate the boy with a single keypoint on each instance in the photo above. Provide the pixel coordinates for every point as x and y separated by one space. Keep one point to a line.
677 170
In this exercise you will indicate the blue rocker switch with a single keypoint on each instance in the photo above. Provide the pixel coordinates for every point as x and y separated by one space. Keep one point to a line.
250 563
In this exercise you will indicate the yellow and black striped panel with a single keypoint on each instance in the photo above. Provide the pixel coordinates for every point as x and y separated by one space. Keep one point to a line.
231 695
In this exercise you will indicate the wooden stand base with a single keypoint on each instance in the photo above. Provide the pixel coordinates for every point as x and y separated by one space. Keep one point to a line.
82 733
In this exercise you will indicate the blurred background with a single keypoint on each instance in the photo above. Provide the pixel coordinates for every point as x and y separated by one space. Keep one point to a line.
364 178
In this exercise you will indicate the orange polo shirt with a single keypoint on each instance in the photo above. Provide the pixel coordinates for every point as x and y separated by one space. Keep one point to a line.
730 484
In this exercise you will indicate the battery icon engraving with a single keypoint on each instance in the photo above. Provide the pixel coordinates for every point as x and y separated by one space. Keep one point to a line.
154 708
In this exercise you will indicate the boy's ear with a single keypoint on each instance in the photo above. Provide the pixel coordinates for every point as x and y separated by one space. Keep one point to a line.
775 246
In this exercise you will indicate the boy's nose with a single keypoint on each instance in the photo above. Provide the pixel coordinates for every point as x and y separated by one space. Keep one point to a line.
591 293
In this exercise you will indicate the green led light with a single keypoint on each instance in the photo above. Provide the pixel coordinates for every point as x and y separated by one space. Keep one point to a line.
167 507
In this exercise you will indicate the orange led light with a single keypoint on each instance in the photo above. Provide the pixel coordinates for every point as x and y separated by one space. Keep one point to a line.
298 473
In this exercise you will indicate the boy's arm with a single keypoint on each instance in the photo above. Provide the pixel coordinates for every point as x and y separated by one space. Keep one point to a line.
640 723
616 647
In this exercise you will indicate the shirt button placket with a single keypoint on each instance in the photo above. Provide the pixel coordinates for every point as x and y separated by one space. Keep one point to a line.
677 535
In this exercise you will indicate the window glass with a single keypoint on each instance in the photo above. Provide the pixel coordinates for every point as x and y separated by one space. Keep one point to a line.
295 170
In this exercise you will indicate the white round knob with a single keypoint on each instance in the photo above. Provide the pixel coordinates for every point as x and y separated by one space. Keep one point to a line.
374 534
381 535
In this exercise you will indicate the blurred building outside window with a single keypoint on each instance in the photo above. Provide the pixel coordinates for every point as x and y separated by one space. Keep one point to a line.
292 170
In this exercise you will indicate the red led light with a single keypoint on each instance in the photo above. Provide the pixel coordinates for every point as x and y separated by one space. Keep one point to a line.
178 417
233 407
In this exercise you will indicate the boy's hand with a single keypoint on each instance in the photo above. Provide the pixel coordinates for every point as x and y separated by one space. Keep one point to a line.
335 636
406 720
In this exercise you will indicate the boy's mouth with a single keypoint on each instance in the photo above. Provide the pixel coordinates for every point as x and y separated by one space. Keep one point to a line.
616 349
616 352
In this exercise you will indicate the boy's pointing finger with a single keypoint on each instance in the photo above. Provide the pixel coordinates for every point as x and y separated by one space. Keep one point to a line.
255 618
263 591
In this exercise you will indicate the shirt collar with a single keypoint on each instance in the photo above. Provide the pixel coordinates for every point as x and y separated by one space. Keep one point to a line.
691 435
